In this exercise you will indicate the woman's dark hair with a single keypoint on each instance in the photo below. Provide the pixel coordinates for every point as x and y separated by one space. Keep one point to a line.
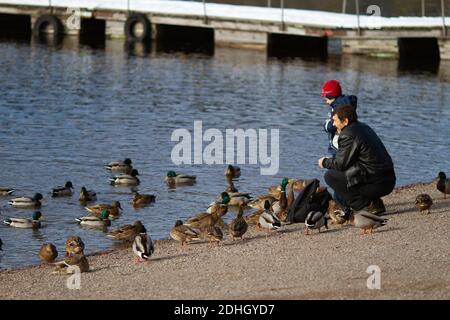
346 111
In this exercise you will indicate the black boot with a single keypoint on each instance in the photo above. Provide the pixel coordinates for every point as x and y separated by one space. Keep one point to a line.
376 207
347 213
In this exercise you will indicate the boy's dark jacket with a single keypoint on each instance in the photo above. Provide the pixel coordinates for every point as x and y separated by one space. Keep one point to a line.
329 128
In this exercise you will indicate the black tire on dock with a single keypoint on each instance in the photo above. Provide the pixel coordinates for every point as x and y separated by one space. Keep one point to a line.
130 27
48 19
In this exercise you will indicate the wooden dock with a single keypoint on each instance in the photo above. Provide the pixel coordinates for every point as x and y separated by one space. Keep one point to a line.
229 25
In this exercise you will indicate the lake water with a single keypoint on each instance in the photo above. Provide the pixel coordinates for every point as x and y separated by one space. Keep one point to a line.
66 111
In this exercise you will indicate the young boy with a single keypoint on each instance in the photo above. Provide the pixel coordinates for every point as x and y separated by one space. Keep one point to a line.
332 94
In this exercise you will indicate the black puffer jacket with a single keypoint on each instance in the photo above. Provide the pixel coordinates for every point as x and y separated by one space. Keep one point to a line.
362 156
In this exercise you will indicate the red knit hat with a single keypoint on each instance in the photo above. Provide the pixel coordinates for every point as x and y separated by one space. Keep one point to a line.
331 88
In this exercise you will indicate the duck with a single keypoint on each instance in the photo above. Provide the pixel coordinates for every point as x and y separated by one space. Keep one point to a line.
4 191
143 246
232 172
203 221
284 203
126 232
231 188
253 219
77 260
367 221
24 223
126 179
220 205
443 184
238 226
141 200
74 245
220 208
297 184
283 198
258 203
27 202
214 234
113 209
315 220
267 220
63 191
423 203
94 221
183 233
213 215
202 215
124 166
237 197
173 179
48 253
336 213
87 195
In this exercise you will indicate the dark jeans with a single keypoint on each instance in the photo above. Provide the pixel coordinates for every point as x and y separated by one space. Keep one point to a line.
361 195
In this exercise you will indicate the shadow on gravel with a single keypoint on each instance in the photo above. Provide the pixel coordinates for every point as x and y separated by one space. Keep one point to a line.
169 257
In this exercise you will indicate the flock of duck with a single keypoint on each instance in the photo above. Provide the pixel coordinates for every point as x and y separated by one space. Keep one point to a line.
271 213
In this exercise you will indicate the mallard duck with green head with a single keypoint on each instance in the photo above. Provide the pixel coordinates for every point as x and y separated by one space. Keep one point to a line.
48 253
27 202
126 179
174 179
443 184
33 223
183 233
281 208
4 191
94 221
141 200
113 209
423 203
297 184
124 166
220 205
87 195
126 232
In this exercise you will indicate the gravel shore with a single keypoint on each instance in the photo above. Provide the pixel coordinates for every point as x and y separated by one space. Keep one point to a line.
412 252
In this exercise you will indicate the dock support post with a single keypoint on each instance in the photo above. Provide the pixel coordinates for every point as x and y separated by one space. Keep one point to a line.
444 48
115 29
444 27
